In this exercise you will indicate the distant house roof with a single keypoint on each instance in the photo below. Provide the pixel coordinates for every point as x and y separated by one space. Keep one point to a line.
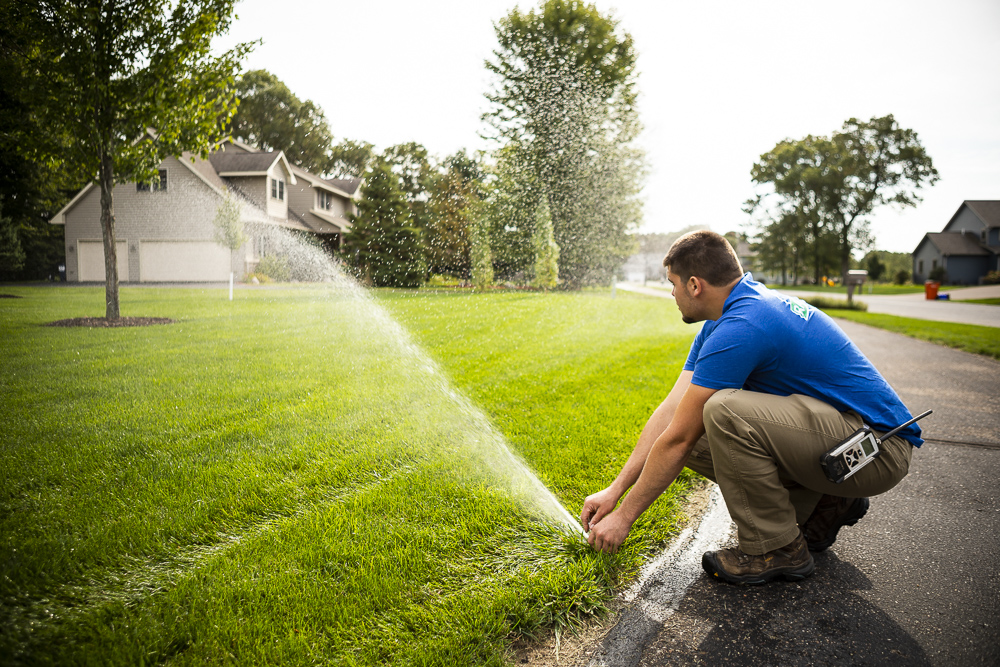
236 163
348 185
957 243
342 187
988 210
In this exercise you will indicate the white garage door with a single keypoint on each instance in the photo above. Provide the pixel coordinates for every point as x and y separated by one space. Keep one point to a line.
183 261
90 254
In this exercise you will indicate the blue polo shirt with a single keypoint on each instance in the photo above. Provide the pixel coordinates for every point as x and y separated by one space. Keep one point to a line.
775 344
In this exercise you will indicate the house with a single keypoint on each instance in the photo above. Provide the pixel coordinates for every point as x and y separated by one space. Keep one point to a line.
967 248
164 231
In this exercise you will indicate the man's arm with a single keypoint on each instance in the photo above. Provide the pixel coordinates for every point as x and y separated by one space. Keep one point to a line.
598 505
664 462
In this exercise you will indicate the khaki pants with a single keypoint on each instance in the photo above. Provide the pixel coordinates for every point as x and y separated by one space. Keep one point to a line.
763 451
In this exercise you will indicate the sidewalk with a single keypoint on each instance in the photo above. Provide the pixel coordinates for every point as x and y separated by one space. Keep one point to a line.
914 583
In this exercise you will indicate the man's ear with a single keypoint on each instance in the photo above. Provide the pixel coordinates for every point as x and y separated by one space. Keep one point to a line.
695 285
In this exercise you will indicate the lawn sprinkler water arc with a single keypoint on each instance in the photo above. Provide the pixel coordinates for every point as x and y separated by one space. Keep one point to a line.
465 429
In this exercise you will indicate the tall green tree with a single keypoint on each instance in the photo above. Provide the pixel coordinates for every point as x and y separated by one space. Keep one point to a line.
11 253
880 163
270 117
127 84
833 184
546 249
565 93
453 200
350 159
383 245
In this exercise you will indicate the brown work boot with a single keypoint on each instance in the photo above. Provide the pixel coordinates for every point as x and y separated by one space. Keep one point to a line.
830 515
792 562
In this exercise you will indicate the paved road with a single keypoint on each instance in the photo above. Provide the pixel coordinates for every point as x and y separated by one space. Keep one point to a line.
917 582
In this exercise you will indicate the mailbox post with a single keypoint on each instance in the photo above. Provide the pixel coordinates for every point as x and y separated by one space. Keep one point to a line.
855 278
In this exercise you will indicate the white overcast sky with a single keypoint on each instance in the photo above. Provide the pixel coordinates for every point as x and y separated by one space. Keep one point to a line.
721 82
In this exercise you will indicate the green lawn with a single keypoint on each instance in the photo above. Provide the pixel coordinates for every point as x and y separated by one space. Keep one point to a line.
985 302
968 337
275 480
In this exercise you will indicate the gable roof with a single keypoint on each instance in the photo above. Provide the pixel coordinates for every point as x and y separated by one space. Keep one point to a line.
956 243
988 210
348 185
235 163
326 184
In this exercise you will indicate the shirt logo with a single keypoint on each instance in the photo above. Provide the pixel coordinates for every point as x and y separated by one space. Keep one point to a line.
799 307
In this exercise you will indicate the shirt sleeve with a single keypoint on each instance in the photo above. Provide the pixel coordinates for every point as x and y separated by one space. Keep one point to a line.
726 358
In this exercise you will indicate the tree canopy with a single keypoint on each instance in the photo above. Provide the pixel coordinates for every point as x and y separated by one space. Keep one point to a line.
815 194
564 97
270 117
120 86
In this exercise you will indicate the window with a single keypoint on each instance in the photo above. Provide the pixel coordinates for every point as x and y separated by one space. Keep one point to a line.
920 266
159 184
277 189
324 200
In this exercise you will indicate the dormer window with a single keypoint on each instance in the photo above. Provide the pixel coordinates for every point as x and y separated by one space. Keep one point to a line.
159 184
324 200
277 189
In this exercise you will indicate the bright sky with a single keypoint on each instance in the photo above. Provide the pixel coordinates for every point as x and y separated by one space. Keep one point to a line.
722 82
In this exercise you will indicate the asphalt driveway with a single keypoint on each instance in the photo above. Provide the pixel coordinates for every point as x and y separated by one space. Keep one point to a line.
916 582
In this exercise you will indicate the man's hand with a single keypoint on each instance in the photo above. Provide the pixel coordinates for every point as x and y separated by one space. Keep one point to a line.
609 534
597 506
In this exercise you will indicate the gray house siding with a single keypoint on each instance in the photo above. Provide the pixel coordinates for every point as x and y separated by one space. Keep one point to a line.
965 221
925 258
184 212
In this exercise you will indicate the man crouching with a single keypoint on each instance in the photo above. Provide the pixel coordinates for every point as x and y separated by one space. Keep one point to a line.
770 384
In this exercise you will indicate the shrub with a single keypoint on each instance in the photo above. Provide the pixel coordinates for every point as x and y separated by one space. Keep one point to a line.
992 278
274 267
261 277
938 274
902 277
826 303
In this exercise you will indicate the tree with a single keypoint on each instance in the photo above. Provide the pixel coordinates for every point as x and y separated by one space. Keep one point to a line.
879 163
126 85
834 184
229 229
453 198
798 176
480 252
565 96
11 253
875 267
546 249
350 159
271 118
511 193
383 244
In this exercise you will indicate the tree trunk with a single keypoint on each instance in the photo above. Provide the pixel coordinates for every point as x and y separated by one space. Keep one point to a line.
106 177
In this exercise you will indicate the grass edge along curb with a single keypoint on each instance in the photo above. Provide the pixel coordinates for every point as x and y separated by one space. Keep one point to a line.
966 337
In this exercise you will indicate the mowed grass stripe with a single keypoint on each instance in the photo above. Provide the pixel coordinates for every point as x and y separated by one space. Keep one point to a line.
254 411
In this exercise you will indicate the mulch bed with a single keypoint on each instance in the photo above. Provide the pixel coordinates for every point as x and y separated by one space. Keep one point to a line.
103 322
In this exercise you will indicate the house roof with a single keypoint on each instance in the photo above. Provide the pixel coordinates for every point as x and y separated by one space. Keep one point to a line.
348 185
988 210
326 184
957 243
234 163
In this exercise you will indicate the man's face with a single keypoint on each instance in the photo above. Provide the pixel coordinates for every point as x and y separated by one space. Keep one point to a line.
683 298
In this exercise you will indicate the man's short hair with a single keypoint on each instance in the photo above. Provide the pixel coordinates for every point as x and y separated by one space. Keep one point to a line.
706 255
